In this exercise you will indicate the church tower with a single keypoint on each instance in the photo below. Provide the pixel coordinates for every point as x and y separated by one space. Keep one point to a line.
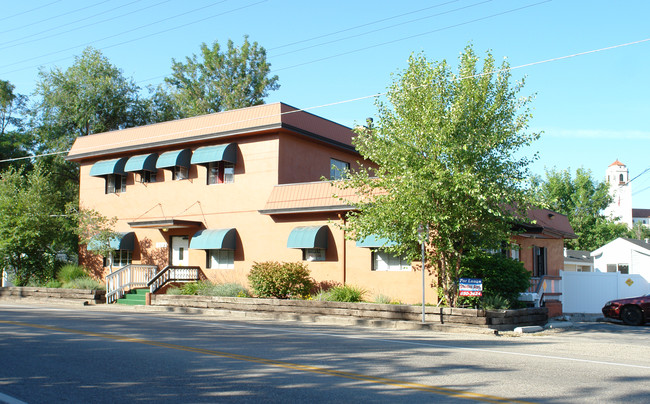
618 178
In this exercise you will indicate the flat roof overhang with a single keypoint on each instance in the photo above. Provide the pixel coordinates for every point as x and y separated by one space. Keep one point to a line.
164 224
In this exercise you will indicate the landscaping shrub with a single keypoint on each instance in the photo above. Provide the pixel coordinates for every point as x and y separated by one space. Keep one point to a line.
223 289
502 277
191 288
495 302
280 280
84 283
173 291
53 284
347 293
383 299
70 272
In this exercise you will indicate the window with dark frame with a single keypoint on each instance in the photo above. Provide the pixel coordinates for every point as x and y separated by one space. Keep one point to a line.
115 183
385 261
221 172
338 169
180 173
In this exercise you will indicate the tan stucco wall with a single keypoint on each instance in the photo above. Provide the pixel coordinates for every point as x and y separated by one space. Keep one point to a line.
263 161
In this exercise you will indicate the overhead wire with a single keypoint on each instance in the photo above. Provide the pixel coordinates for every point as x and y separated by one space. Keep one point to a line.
28 11
497 71
383 28
76 28
54 17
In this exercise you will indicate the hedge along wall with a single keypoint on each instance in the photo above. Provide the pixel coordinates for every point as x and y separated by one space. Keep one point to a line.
493 319
85 296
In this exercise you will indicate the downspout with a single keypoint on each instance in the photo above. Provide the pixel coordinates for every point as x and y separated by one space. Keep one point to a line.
344 261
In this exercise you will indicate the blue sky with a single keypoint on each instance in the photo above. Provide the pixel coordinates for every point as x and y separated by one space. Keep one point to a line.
331 56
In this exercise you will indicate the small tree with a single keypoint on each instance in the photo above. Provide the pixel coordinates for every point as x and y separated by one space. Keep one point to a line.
96 232
32 229
445 148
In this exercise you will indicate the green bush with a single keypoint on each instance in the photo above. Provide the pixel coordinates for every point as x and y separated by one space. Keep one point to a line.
225 290
191 288
495 303
173 291
383 299
71 272
280 280
53 284
502 277
84 283
346 293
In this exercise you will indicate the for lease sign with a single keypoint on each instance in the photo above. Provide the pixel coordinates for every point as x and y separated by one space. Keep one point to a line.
470 287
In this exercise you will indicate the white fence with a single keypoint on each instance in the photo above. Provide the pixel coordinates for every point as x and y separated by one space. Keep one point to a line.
587 292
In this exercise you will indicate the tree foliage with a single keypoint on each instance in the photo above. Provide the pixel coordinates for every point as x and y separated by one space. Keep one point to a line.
583 200
96 231
445 148
14 141
32 229
217 81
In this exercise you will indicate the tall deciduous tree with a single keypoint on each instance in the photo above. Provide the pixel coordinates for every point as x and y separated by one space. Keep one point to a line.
444 144
14 142
32 229
583 200
217 81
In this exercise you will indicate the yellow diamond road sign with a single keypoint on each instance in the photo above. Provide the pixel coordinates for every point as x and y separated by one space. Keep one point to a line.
629 281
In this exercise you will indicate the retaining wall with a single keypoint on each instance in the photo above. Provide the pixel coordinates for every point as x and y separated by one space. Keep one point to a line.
83 296
493 319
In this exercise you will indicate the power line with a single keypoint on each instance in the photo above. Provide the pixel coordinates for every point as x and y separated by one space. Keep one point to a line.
384 28
28 11
146 36
54 17
360 26
413 36
118 34
368 96
77 28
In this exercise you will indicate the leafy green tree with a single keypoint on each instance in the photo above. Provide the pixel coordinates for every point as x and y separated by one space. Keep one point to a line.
32 228
217 81
583 200
444 146
96 231
14 141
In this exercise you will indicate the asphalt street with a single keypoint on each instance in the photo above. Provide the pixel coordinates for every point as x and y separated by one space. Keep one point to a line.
74 354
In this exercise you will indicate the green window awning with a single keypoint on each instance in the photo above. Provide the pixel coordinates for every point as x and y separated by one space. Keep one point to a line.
124 241
214 239
209 154
308 237
107 167
374 241
144 162
180 158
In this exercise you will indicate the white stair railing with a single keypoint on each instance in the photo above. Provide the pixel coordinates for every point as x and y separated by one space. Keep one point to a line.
173 274
126 278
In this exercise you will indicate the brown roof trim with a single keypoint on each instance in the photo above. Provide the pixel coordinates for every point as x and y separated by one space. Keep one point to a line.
311 209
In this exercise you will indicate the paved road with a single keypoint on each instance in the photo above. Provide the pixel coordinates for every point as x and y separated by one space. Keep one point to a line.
82 355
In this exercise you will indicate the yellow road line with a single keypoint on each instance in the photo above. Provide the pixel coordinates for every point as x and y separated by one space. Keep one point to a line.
288 365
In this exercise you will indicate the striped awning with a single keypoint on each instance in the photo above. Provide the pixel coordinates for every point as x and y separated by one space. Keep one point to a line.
107 167
144 162
209 154
177 158
308 237
214 239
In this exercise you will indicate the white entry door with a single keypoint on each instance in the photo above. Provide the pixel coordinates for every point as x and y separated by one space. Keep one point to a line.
180 255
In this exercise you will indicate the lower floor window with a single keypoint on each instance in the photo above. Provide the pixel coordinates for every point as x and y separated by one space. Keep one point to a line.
120 258
383 261
221 259
313 254
622 268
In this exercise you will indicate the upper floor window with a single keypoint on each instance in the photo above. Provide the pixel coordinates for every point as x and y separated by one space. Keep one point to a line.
221 172
338 169
180 173
147 176
115 183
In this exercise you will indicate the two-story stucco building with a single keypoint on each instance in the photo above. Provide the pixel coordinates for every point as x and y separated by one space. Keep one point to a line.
223 191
